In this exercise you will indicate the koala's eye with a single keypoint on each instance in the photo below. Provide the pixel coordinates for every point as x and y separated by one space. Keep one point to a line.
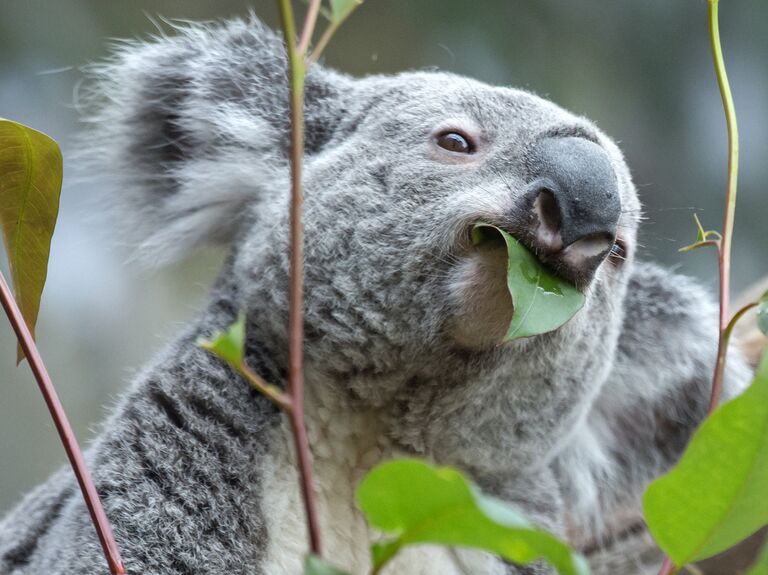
455 142
618 251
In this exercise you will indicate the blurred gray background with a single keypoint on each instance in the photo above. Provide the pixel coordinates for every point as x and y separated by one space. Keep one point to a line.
640 69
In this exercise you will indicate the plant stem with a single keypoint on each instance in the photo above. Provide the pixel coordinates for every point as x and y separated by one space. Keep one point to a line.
724 243
272 392
667 568
724 250
322 43
91 496
296 297
309 26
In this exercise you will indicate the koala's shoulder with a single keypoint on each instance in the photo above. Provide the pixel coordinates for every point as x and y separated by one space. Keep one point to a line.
663 306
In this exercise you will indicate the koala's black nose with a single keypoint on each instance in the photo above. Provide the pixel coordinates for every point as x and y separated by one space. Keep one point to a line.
575 203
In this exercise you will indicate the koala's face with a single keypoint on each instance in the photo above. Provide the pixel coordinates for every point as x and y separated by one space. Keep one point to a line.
401 308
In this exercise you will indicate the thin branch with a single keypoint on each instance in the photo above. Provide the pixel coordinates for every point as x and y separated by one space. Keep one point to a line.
296 296
697 245
309 26
724 253
724 243
272 392
722 351
667 568
91 496
323 42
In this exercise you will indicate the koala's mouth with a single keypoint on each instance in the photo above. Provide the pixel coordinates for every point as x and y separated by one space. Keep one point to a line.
478 289
496 264
575 262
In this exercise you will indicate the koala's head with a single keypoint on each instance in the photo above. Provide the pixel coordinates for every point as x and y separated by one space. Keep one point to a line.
402 310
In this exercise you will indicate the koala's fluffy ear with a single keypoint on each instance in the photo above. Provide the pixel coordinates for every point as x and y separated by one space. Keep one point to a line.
192 129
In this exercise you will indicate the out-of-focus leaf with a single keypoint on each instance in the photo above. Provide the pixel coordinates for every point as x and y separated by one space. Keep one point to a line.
341 9
228 345
718 493
316 566
31 173
760 566
762 313
418 503
542 301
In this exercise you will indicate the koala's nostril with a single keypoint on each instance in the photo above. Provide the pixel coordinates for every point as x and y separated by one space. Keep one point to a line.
576 202
548 215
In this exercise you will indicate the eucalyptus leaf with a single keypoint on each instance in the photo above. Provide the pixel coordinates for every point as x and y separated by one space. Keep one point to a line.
701 235
31 173
341 9
717 494
229 344
316 566
417 503
542 301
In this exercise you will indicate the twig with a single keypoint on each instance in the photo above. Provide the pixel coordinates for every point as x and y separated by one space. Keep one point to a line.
667 568
296 297
272 392
724 249
91 496
723 243
323 42
309 26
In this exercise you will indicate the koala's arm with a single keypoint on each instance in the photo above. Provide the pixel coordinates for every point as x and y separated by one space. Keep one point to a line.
179 468
655 397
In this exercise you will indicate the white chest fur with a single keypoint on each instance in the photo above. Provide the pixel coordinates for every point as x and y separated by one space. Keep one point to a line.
346 444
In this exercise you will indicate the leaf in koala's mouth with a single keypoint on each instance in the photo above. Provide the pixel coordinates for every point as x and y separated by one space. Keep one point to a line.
542 301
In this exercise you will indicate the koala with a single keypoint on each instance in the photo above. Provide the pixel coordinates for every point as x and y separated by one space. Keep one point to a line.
403 318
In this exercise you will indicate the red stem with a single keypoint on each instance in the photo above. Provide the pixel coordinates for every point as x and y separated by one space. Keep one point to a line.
91 496
722 342
724 246
722 348
296 328
309 27
667 568
296 289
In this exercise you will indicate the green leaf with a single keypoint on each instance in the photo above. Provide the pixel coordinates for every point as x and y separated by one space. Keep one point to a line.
542 301
341 9
31 173
762 313
760 566
718 493
228 345
702 237
418 503
316 566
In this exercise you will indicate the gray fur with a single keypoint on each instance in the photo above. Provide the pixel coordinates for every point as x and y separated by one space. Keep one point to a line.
569 425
